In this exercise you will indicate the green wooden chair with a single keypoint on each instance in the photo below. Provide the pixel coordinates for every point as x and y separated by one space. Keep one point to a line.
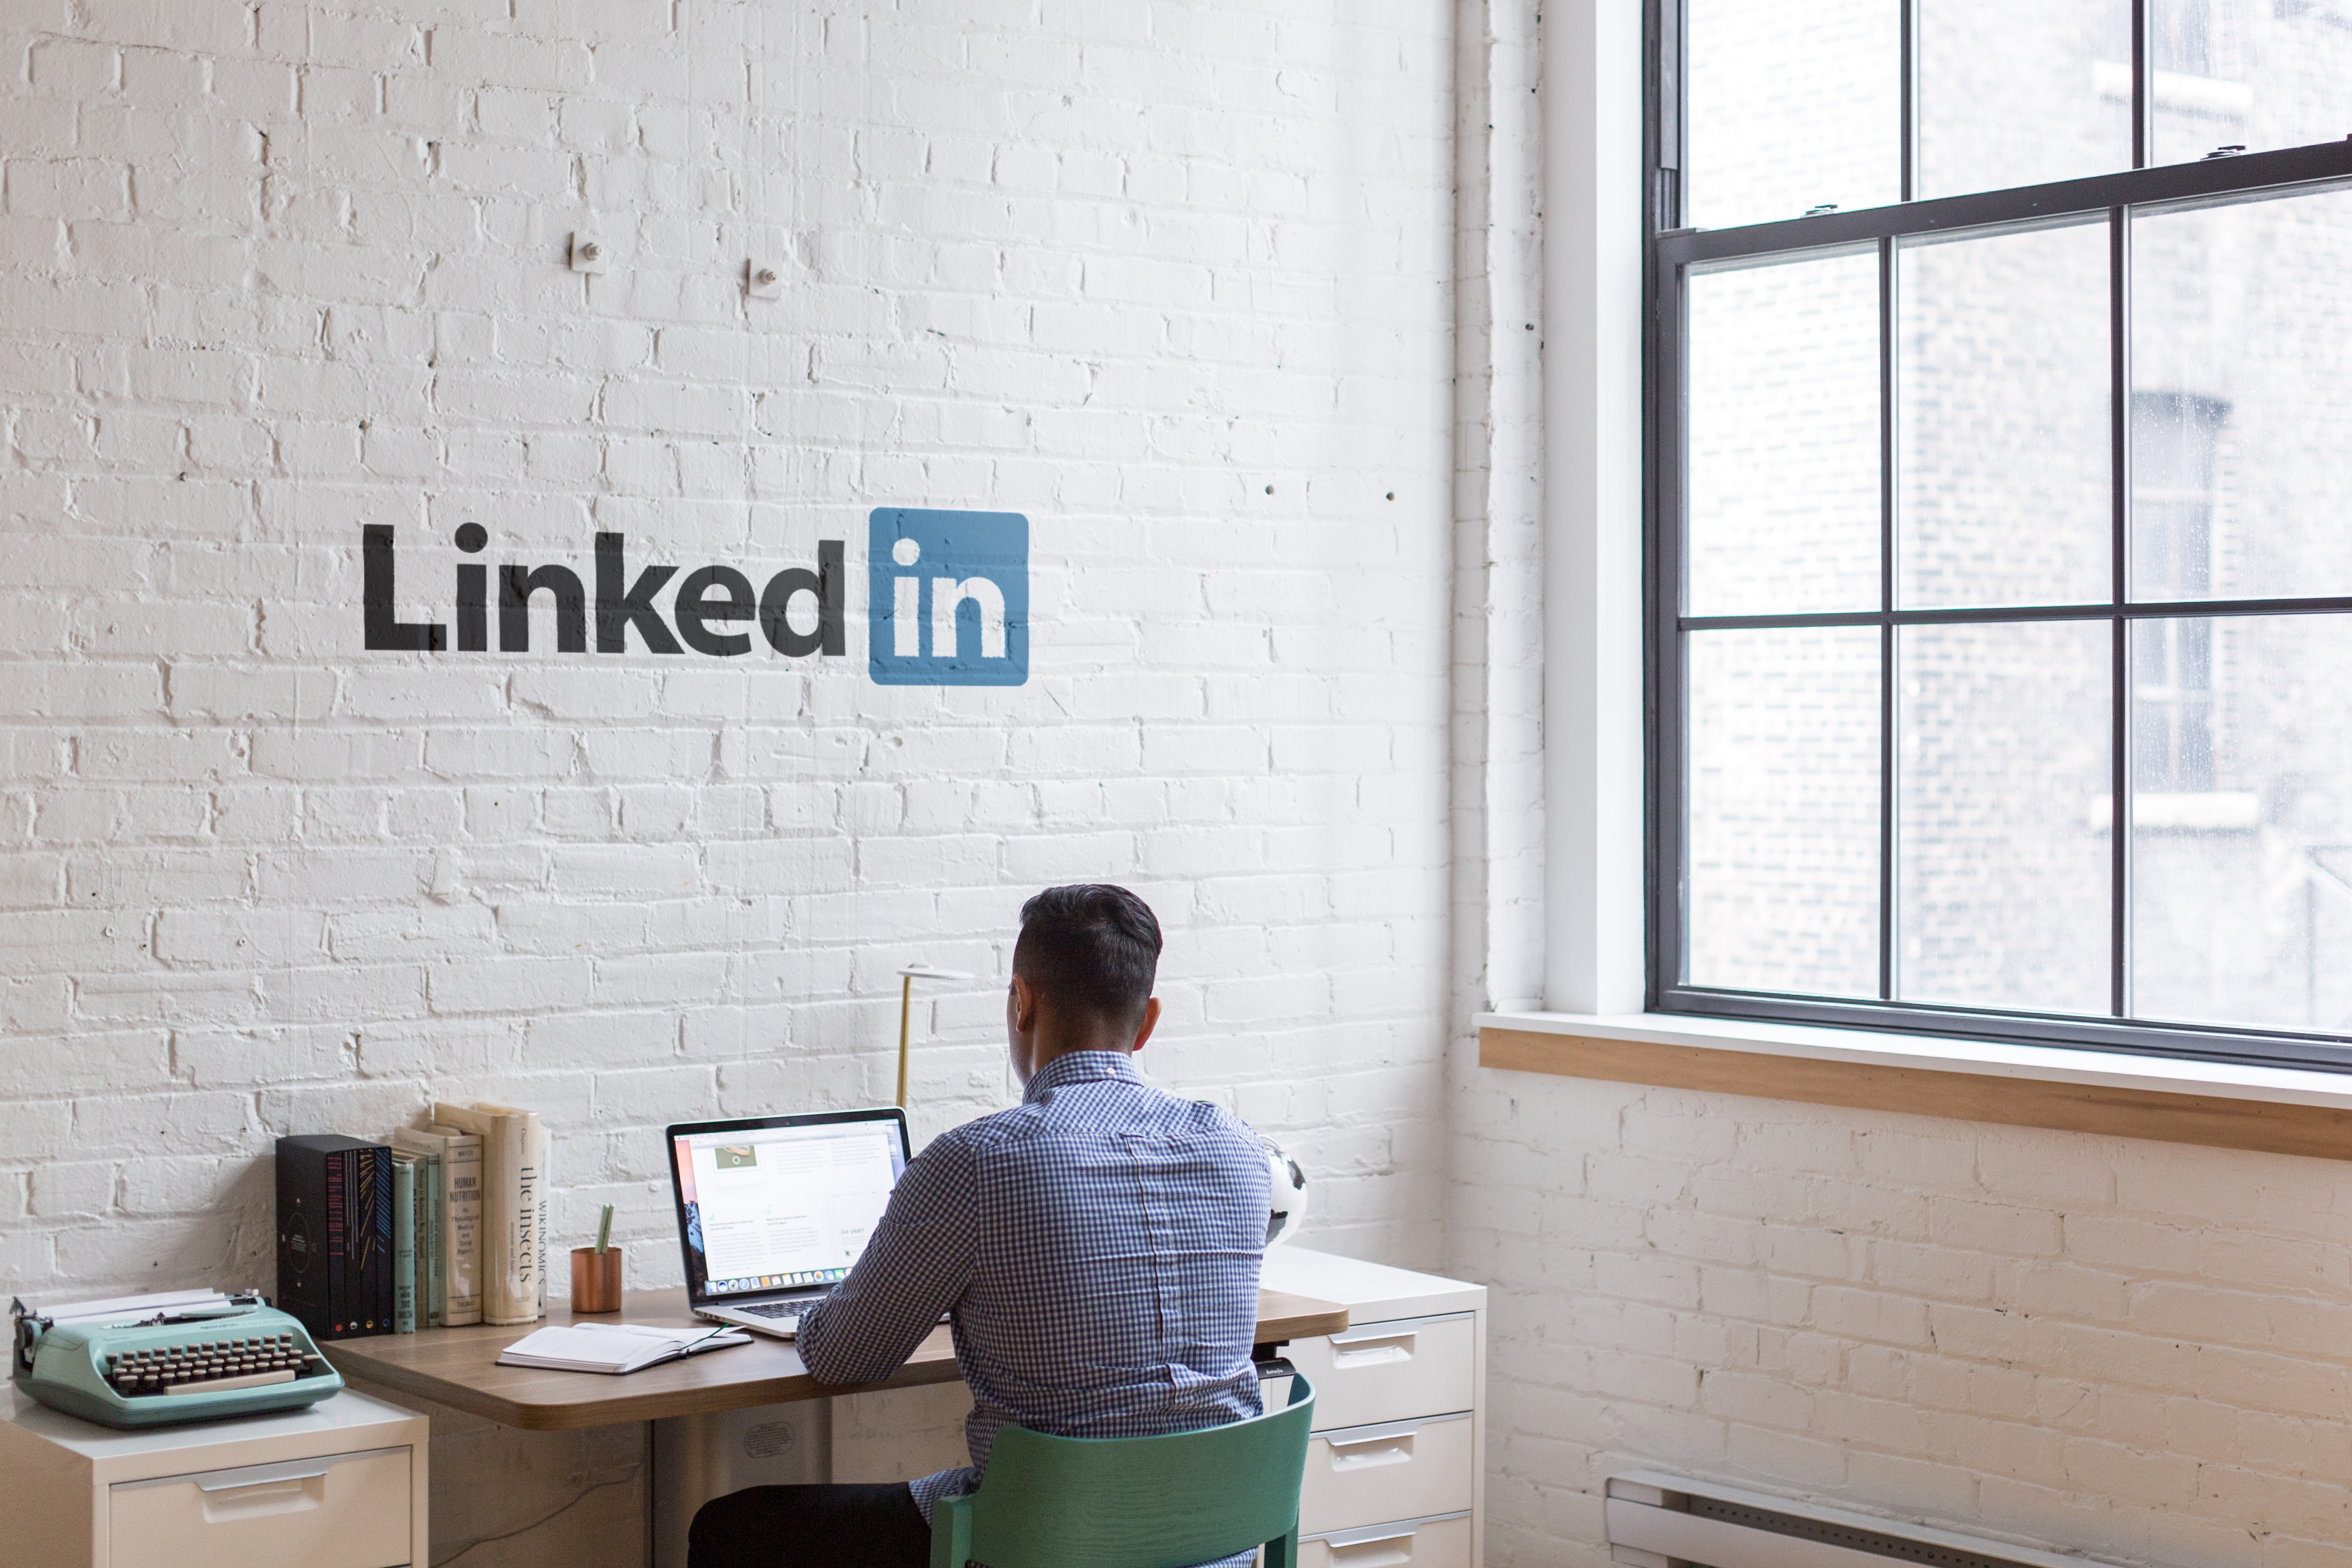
1134 1502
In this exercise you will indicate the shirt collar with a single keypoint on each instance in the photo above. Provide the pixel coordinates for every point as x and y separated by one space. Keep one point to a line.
1081 1067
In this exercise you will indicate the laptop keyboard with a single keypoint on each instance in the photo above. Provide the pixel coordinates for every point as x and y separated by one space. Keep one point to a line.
773 1308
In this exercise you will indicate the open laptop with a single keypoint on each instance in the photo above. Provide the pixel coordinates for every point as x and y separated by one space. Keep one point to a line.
772 1210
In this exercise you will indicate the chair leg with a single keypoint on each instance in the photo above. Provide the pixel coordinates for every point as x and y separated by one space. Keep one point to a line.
1282 1552
951 1532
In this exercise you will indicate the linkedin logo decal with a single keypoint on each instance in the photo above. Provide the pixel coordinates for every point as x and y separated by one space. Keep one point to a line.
947 598
949 602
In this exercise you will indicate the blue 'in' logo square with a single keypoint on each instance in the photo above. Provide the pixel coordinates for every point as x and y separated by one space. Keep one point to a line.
947 598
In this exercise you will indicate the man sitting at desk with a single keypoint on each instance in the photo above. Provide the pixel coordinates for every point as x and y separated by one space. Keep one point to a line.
1096 1247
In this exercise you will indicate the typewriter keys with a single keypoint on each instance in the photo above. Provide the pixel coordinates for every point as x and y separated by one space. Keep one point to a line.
204 1367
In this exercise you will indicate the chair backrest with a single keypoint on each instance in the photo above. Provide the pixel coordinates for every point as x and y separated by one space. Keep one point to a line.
1141 1502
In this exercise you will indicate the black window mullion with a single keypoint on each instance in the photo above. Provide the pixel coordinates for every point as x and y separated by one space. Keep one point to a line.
1996 614
2143 83
2119 732
1910 67
1668 749
1665 379
1673 129
2278 171
1888 321
2326 1052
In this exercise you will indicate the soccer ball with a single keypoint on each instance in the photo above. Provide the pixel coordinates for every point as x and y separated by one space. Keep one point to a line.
1289 1194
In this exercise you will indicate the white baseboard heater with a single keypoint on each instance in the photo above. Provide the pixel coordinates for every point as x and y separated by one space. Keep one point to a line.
1671 1522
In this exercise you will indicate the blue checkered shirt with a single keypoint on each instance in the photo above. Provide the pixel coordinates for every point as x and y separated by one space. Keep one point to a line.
1096 1247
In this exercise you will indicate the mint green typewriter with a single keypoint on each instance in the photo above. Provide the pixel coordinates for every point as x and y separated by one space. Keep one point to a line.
156 1361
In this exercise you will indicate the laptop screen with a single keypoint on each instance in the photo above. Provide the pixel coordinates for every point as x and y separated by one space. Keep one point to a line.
770 1207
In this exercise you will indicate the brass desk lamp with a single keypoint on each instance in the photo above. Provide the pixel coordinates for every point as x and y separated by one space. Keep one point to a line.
906 978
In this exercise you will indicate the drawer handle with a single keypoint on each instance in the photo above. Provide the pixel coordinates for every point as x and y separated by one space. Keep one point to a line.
1389 1551
1372 1349
1346 1340
257 1499
1379 1448
263 1475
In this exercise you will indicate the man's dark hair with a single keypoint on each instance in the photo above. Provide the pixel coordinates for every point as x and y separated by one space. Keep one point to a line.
1092 948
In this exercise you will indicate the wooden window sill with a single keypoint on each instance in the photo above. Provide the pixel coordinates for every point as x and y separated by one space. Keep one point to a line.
2277 1110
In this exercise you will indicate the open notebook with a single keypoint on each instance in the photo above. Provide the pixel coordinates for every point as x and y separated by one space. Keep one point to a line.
613 1347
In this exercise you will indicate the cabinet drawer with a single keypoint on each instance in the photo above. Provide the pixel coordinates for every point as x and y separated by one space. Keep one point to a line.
1415 1543
339 1510
1402 1470
1392 1370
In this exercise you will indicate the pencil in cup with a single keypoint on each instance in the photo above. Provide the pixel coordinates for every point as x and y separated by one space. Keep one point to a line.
596 1272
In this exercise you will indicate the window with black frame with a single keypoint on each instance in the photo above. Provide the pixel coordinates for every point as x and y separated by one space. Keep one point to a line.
2001 519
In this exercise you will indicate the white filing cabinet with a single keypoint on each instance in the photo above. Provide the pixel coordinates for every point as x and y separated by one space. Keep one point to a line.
340 1485
1395 1472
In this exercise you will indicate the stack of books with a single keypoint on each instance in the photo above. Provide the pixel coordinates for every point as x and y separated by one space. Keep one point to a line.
439 1226
335 1243
444 1169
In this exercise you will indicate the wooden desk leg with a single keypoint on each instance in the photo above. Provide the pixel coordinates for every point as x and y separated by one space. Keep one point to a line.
698 1457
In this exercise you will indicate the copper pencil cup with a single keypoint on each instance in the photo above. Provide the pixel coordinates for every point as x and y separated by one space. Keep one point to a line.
595 1279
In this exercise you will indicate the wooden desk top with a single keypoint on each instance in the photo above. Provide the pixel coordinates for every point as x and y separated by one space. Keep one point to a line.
458 1367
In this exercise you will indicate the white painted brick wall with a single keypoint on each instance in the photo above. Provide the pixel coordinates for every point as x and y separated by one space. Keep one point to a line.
1497 663
2128 1349
1171 280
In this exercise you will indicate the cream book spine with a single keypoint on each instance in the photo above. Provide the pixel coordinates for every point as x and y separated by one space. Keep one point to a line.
514 1211
432 1283
531 1183
461 1216
461 1181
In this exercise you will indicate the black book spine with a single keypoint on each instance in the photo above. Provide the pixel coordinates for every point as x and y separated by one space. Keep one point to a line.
301 1235
335 1241
374 1242
387 1290
338 1231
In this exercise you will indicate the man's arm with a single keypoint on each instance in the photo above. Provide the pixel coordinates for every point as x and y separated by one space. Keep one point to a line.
915 1268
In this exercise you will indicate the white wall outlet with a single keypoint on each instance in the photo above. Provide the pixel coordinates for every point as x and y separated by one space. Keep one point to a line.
589 252
763 279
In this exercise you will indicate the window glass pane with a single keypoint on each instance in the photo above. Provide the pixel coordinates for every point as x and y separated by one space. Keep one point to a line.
2242 821
2003 871
1782 827
1792 104
2247 73
2241 400
2006 466
2015 93
1783 438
